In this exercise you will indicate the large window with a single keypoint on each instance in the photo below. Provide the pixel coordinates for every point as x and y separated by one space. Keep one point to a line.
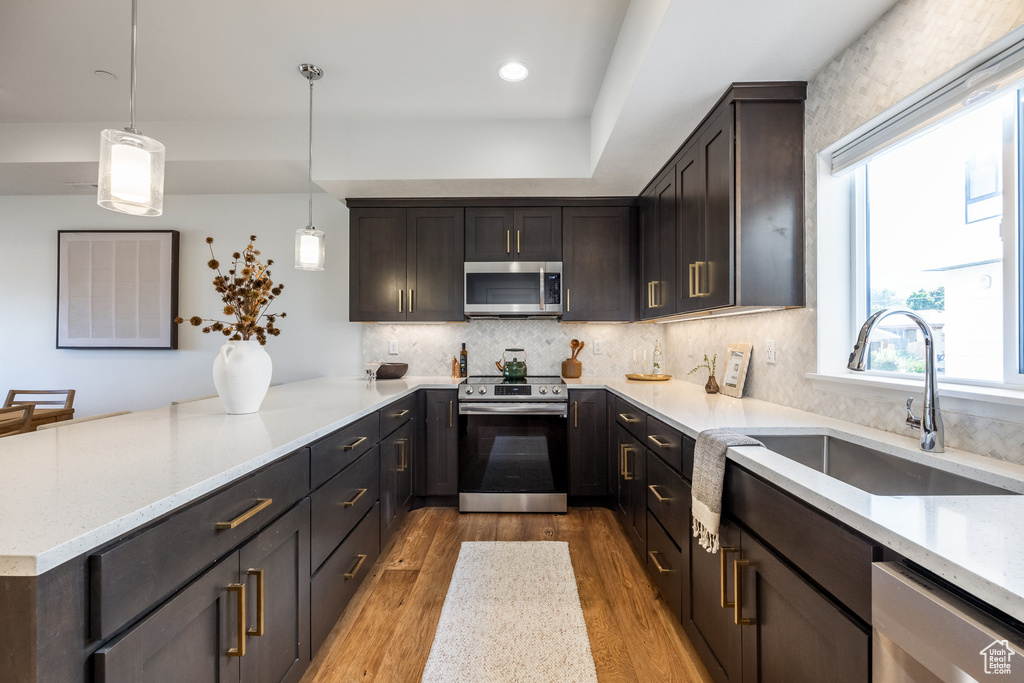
936 217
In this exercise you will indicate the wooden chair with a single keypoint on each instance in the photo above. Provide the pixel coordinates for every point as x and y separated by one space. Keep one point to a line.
16 419
90 418
51 405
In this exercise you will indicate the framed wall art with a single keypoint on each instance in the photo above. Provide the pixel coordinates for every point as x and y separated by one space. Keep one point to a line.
117 289
734 376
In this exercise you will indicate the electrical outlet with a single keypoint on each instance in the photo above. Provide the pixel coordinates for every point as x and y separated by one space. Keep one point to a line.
769 351
393 347
598 347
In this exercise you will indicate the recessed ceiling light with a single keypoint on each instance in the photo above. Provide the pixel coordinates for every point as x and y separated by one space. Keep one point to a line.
513 71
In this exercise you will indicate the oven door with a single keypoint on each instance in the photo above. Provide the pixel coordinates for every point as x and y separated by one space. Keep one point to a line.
513 457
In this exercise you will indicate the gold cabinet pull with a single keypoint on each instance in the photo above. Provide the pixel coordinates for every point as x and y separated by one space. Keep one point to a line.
239 590
723 551
258 631
693 266
350 503
576 414
508 241
261 504
400 445
654 490
400 413
355 569
658 442
518 249
405 454
350 446
449 414
628 418
626 450
737 571
568 306
649 302
657 565
410 300
401 297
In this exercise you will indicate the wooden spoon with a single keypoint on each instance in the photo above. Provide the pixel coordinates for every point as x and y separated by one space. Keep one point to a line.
579 348
575 344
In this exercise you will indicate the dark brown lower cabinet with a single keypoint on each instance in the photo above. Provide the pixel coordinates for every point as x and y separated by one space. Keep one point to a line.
441 460
796 634
252 602
395 479
631 483
588 437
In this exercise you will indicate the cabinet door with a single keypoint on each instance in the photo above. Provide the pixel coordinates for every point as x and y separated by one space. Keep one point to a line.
489 234
395 479
597 258
185 639
635 456
717 154
691 251
659 245
796 634
377 265
276 562
441 460
537 234
710 626
435 272
588 442
405 467
621 488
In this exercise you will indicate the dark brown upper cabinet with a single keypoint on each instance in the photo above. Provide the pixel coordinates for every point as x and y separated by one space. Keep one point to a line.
658 228
738 183
405 264
514 234
598 250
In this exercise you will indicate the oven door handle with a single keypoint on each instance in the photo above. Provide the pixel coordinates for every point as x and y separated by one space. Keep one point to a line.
553 409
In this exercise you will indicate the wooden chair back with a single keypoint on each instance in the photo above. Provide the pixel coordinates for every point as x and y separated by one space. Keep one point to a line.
41 398
16 419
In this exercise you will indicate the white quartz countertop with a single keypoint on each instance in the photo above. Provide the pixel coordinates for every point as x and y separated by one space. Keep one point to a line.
68 490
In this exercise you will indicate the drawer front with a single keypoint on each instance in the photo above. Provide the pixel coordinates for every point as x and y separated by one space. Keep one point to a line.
337 581
128 578
668 497
665 564
669 444
336 451
831 555
397 414
332 515
632 418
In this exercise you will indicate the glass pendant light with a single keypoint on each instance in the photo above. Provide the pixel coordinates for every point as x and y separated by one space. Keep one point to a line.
131 174
309 242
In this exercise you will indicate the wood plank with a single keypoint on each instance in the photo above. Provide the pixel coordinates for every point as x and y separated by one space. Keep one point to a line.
388 629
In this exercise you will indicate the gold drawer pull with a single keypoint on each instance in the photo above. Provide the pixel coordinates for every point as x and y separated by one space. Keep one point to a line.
724 552
658 442
626 450
239 589
654 558
518 248
737 570
261 504
410 300
355 443
400 413
628 418
508 241
355 569
654 490
258 631
350 503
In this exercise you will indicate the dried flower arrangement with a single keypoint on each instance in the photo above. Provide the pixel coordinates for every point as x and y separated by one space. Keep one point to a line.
247 291
707 364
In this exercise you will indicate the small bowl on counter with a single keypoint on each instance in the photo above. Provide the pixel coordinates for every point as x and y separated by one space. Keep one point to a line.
392 370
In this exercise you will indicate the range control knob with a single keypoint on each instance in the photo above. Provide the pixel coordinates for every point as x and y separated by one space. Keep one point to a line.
543 390
556 390
469 390
483 390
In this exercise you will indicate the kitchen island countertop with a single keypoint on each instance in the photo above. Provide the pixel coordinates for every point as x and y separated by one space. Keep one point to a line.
66 491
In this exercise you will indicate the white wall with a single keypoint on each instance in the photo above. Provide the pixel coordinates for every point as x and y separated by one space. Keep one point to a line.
316 337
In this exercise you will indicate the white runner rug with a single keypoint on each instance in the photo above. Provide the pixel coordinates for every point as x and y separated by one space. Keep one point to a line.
512 613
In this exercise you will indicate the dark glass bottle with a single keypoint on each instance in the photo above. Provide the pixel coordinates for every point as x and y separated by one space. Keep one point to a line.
463 360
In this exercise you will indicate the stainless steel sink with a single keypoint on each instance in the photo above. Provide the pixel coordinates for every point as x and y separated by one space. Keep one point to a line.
873 471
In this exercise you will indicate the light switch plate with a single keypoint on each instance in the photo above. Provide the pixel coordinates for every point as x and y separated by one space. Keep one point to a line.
393 347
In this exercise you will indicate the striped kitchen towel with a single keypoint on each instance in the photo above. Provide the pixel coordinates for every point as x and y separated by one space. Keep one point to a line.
708 480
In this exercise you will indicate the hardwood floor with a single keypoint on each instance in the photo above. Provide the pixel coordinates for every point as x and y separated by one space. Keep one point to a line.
387 630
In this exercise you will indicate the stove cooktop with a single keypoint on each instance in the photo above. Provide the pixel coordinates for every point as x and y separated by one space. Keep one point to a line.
539 388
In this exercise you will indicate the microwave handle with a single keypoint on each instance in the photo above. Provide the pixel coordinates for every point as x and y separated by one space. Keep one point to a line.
542 289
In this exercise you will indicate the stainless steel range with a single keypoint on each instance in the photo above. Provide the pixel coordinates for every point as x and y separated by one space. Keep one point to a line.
513 454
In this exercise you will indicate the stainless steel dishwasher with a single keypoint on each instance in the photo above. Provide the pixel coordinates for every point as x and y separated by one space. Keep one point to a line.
923 633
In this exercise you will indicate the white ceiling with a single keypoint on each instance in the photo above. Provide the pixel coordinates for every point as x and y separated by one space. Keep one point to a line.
410 104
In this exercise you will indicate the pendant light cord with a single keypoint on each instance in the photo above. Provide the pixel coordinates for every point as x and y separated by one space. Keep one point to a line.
310 174
131 124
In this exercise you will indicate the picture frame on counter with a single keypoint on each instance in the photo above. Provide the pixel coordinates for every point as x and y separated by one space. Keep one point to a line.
734 373
117 289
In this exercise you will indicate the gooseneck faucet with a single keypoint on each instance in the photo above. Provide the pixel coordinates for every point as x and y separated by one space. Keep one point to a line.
930 422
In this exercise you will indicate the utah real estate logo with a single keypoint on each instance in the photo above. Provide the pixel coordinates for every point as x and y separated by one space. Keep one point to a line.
997 657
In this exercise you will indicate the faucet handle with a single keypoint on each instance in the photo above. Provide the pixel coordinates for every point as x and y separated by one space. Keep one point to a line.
911 420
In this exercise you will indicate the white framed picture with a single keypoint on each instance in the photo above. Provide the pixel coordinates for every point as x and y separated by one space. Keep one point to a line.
734 374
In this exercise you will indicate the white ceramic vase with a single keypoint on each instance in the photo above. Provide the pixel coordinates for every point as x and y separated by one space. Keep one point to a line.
241 373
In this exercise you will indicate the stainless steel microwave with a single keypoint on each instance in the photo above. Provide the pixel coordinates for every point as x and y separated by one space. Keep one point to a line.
526 288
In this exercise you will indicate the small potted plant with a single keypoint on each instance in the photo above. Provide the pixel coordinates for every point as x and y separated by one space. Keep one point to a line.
712 385
242 369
